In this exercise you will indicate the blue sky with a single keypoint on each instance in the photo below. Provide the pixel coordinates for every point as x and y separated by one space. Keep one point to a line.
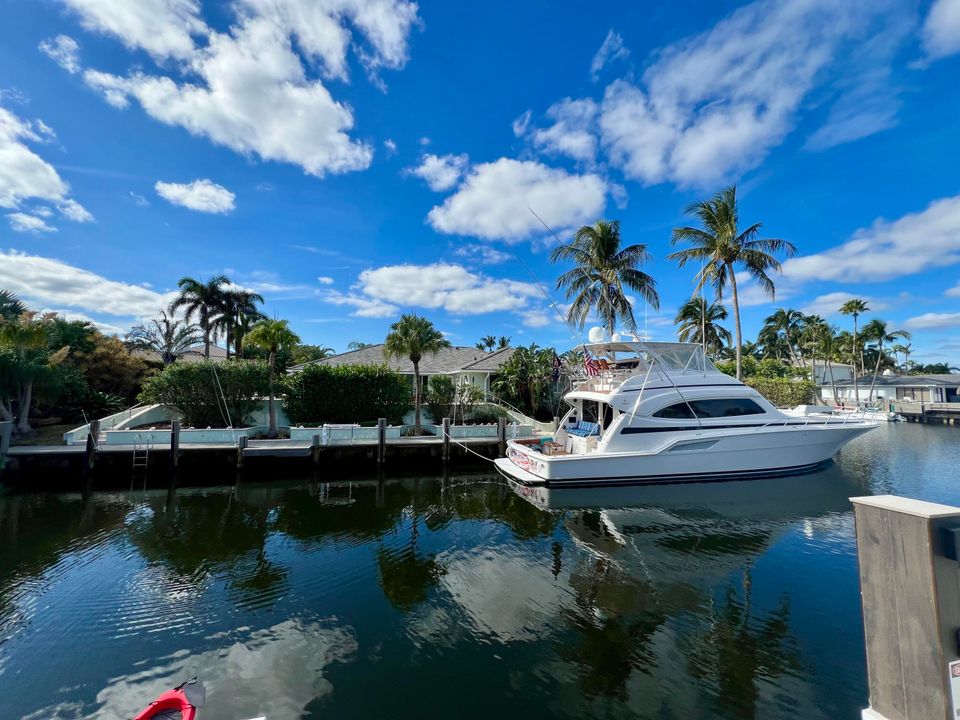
355 159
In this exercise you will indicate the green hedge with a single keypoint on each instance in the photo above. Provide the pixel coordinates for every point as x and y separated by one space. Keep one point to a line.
784 392
193 389
346 394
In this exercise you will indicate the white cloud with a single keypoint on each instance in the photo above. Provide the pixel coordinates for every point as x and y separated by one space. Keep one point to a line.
611 50
139 199
201 195
954 291
941 29
829 304
47 282
64 51
390 146
247 88
494 200
72 210
441 172
365 307
324 280
22 222
521 124
445 285
482 253
573 132
536 318
42 211
913 243
163 28
933 321
713 105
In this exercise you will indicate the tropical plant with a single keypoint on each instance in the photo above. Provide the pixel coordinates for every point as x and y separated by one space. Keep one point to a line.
210 394
786 324
413 336
878 333
604 271
27 364
933 369
487 343
109 368
242 327
699 322
271 336
309 353
721 248
205 300
357 345
503 342
11 306
346 393
165 335
855 307
237 303
440 397
903 349
526 379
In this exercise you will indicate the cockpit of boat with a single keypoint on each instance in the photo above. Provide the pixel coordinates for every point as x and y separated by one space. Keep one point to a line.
614 362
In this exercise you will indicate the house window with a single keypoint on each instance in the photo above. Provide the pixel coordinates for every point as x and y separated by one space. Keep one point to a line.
719 408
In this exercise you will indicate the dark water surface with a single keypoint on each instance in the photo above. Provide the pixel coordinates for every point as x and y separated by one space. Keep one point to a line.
427 597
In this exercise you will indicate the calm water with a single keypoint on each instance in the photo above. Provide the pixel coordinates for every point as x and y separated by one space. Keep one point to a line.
424 597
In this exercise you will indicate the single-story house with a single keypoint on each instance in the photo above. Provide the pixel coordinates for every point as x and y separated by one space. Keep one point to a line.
821 371
920 388
190 355
474 366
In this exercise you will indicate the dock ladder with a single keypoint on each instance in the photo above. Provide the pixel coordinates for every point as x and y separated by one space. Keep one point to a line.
141 451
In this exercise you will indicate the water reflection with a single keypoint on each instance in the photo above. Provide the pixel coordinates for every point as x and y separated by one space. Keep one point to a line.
296 598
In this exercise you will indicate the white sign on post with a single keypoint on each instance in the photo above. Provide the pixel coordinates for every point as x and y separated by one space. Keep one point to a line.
955 687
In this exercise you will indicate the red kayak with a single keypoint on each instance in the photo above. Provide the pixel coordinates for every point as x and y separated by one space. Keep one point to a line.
181 703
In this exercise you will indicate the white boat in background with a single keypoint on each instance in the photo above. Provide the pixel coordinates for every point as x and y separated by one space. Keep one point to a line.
651 412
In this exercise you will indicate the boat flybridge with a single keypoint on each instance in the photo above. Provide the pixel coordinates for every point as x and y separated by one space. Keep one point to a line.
644 412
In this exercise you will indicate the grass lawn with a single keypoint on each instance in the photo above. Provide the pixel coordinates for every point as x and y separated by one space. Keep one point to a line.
48 435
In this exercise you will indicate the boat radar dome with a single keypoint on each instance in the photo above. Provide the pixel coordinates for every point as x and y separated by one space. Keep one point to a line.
616 337
596 335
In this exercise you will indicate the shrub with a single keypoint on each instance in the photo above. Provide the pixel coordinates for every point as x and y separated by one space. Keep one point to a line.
440 397
784 392
766 368
346 394
485 414
193 388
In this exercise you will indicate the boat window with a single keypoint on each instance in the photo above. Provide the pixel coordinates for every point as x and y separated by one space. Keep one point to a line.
721 407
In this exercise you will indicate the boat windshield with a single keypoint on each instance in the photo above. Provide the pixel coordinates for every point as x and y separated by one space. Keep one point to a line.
677 357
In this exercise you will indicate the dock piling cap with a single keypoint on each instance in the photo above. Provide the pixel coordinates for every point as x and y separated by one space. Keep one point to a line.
907 506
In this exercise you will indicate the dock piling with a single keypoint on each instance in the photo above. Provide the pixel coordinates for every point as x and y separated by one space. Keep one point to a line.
381 440
315 451
446 440
909 581
174 446
6 432
502 434
241 446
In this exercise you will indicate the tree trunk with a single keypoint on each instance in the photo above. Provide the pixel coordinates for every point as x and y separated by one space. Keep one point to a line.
736 316
273 408
853 361
876 369
836 399
416 398
229 337
5 413
26 398
206 341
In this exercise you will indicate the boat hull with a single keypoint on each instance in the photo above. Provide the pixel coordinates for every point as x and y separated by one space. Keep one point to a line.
698 457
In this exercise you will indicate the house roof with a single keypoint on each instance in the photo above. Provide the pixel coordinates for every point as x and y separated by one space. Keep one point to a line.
949 380
190 355
447 360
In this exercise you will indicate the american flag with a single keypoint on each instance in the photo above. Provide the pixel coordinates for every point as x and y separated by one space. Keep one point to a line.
589 364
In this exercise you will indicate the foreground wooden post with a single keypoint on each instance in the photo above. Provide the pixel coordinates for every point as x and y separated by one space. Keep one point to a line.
502 434
315 450
446 440
6 432
241 446
381 440
174 446
910 590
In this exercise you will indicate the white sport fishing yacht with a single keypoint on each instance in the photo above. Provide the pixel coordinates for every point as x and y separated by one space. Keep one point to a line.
649 412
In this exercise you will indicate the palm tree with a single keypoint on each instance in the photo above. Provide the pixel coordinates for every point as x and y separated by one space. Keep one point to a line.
487 343
721 248
271 336
503 342
357 345
203 299
166 336
877 332
604 272
789 323
814 328
28 363
242 327
413 336
700 323
855 307
901 349
234 304
11 307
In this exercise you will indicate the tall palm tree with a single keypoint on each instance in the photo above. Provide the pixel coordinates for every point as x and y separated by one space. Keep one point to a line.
901 349
789 323
814 328
879 333
166 336
234 304
413 336
11 306
503 342
31 363
721 248
203 299
699 322
271 336
604 272
242 327
487 343
855 307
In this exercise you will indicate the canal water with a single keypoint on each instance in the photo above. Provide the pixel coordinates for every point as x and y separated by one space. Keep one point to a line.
431 596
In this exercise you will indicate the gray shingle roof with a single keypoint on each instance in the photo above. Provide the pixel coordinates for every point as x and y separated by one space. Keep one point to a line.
491 362
951 380
447 360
